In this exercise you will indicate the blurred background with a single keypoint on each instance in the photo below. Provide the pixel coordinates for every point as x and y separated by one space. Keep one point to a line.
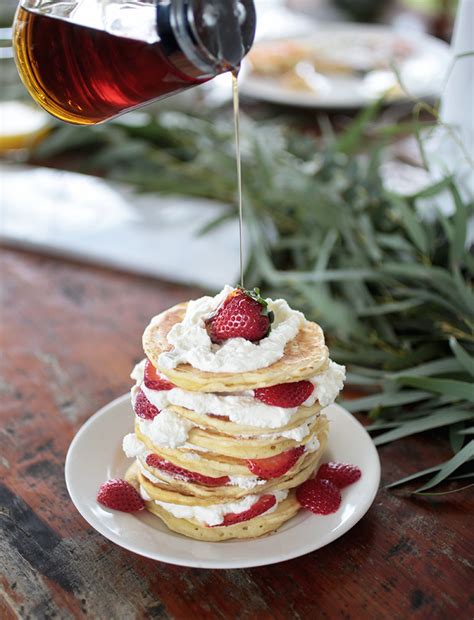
313 60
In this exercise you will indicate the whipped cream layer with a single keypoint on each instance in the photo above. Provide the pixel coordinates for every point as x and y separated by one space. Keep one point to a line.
242 407
215 513
297 434
192 345
167 429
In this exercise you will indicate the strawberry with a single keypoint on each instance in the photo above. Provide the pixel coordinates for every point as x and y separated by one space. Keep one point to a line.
262 505
243 314
320 496
153 380
275 466
285 394
120 495
153 460
340 474
143 407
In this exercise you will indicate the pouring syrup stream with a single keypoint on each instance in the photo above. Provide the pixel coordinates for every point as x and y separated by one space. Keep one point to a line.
235 92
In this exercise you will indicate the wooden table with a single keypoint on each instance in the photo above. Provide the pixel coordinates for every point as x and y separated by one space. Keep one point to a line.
71 335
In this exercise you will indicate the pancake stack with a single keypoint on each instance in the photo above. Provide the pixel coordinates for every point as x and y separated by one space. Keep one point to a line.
215 457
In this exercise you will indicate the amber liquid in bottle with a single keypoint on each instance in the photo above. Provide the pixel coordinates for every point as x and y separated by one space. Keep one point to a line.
83 75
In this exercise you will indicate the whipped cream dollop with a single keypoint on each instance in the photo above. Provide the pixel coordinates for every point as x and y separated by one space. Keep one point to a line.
191 343
215 513
133 447
327 385
167 429
246 482
312 445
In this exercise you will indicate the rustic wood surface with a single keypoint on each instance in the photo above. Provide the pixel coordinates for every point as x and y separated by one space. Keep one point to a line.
70 334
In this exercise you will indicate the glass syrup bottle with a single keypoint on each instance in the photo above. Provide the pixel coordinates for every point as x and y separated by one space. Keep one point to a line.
86 61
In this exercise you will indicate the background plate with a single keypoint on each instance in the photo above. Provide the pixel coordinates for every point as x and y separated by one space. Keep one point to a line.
95 455
423 73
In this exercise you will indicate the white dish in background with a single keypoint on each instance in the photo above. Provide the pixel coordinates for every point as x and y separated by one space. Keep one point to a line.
95 455
110 224
423 72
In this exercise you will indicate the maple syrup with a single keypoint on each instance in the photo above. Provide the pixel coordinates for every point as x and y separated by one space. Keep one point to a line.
85 73
238 157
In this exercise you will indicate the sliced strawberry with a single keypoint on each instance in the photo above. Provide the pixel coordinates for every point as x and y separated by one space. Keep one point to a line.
340 474
275 466
262 505
320 496
285 394
144 408
153 380
243 314
120 495
153 460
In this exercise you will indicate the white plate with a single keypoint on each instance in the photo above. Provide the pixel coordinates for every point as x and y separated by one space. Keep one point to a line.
423 72
95 455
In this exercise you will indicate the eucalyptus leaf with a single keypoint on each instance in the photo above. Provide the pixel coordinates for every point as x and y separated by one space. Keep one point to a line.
436 420
463 456
463 357
384 399
467 486
458 389
415 476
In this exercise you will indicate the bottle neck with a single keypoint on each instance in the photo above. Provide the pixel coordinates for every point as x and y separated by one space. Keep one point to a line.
178 44
203 38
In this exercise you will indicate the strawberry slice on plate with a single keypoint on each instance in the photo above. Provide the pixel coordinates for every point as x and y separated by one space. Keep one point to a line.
120 495
262 505
153 380
243 314
275 466
143 408
340 474
153 460
320 496
285 394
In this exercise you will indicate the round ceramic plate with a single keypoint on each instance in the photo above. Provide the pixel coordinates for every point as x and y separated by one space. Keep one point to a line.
422 71
95 455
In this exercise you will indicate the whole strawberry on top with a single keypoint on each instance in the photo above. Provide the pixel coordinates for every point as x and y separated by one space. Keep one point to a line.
243 314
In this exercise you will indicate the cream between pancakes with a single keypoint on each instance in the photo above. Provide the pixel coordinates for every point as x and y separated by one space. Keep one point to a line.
192 345
242 407
215 513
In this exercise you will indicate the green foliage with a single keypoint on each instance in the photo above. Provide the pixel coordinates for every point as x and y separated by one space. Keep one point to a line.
392 290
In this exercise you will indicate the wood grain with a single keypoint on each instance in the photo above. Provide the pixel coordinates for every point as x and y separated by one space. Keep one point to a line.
71 334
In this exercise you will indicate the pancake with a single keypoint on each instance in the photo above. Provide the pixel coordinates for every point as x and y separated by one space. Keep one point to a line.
212 463
188 493
254 447
252 528
226 427
304 356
